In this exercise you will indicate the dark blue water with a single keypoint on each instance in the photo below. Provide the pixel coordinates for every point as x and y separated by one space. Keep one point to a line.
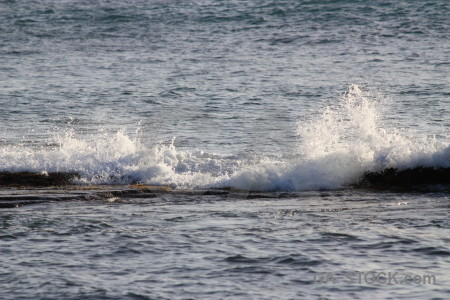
262 117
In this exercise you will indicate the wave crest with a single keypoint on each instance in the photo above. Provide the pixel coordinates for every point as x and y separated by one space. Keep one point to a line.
350 138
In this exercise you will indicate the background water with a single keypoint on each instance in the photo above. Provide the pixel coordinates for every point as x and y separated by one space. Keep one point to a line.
283 97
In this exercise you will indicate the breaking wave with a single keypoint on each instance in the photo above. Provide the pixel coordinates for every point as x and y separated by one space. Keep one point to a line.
337 148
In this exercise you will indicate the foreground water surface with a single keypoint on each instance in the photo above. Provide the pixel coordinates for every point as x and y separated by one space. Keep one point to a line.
282 246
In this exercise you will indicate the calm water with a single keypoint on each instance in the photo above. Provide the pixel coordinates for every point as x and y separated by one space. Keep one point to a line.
293 100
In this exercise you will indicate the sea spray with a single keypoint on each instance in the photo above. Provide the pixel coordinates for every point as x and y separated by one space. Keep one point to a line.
349 138
116 158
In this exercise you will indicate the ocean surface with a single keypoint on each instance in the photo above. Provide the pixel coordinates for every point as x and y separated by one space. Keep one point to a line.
218 149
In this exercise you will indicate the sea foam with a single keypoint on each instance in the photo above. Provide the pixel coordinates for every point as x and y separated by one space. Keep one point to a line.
350 137
347 139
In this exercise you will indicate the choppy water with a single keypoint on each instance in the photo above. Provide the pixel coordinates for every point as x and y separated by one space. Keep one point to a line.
214 247
261 116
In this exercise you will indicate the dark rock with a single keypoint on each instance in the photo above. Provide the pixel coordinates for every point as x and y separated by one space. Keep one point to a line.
36 179
391 177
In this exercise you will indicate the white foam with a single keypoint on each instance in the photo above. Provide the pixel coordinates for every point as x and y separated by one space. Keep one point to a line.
349 138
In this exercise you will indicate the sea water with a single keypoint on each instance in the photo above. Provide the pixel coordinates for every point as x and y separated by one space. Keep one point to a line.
261 118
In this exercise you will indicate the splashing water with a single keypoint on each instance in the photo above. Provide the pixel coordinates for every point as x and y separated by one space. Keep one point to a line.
349 138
